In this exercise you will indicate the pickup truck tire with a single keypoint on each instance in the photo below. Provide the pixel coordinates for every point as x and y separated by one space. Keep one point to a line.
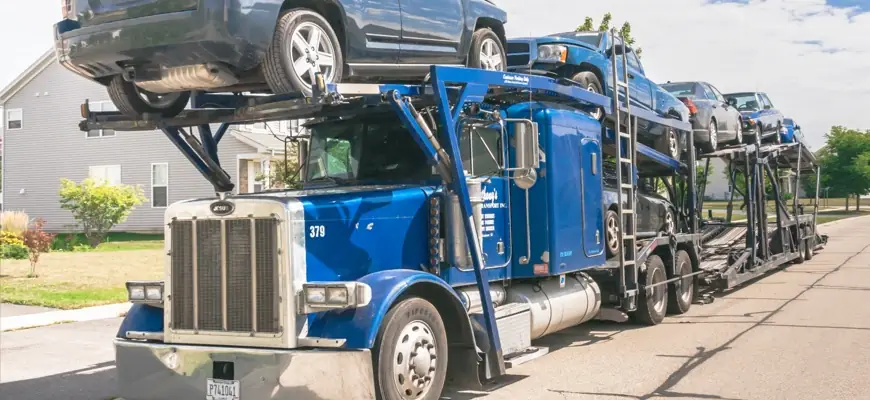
669 144
133 101
303 44
590 82
487 51
410 353
682 292
652 307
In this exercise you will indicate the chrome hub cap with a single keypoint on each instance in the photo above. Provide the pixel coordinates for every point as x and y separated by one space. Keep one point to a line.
658 295
597 114
311 52
714 134
415 357
612 234
739 132
490 56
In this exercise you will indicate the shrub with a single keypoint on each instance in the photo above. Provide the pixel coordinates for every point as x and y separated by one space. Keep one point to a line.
14 251
10 238
67 242
15 222
37 242
98 207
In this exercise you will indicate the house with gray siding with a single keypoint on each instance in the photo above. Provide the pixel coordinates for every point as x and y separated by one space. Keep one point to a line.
42 143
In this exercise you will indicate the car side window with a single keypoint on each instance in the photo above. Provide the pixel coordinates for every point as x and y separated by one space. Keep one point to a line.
766 100
708 93
633 62
718 94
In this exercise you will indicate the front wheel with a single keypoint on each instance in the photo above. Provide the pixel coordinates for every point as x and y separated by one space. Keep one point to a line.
486 51
410 354
135 101
590 82
303 45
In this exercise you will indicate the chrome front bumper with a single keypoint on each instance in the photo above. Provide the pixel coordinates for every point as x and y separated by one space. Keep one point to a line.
156 371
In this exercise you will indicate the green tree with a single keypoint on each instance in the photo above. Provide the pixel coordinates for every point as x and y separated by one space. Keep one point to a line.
98 207
845 163
625 30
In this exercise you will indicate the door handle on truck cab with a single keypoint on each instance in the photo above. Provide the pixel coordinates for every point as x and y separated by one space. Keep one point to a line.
630 75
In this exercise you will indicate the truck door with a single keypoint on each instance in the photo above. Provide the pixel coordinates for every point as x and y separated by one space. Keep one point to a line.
591 186
431 31
641 87
483 153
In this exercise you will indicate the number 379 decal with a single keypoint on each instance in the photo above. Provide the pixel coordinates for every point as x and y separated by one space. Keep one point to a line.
316 231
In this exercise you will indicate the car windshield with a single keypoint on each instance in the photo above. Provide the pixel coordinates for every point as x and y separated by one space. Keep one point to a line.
375 147
593 38
686 89
788 121
744 101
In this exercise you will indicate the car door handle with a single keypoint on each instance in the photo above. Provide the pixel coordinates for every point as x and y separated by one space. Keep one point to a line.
630 75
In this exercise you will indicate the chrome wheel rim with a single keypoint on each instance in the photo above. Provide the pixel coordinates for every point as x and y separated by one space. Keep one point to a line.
739 132
598 111
311 52
672 143
714 134
490 56
669 222
415 358
659 291
685 283
612 234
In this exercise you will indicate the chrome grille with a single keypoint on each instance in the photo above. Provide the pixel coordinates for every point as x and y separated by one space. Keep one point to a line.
225 275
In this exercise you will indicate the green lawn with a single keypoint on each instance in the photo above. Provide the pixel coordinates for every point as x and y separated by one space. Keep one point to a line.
115 241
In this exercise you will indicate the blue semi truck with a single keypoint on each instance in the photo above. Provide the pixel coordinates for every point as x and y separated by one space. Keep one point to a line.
442 227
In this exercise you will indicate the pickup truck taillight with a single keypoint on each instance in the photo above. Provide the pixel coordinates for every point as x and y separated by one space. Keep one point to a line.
66 9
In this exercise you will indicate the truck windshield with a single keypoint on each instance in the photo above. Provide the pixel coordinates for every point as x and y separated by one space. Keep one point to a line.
745 101
373 148
680 89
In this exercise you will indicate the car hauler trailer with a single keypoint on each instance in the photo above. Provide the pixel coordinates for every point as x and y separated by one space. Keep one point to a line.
735 252
465 220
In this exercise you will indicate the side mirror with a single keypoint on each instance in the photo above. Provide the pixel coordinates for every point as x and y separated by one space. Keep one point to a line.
526 153
618 50
767 107
797 127
732 102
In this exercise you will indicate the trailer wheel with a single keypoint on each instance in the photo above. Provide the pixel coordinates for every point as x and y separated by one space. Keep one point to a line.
682 291
410 354
651 308
808 248
802 251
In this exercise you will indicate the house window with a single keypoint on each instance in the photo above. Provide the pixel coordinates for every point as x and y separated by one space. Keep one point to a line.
14 119
101 106
159 185
108 174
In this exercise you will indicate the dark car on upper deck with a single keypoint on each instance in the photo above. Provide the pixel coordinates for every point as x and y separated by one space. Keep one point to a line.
714 120
152 53
586 58
760 118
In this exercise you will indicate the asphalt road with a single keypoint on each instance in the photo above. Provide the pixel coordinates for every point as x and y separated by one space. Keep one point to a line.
799 333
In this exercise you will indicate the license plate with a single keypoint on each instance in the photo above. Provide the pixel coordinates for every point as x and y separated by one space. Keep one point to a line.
219 389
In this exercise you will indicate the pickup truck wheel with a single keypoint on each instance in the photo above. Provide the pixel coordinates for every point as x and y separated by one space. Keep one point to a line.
134 101
651 308
669 144
590 82
410 354
486 51
712 136
611 233
681 291
303 44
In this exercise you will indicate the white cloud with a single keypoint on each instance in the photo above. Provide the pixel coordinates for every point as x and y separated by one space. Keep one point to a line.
813 60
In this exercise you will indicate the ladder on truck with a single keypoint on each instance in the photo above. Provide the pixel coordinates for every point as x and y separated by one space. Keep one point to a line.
626 154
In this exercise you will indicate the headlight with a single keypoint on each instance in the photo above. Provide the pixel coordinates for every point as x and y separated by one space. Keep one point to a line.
554 53
150 292
333 295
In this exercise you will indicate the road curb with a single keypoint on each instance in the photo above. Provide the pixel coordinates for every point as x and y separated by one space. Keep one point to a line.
19 322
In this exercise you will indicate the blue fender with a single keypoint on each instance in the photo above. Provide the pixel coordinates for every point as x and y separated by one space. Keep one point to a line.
142 318
360 326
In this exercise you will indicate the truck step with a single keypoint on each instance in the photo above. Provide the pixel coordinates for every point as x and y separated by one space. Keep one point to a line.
525 356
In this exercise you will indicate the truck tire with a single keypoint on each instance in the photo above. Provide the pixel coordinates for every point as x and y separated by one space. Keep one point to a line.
590 82
289 66
682 292
133 101
809 248
802 251
669 144
611 233
651 308
410 353
487 51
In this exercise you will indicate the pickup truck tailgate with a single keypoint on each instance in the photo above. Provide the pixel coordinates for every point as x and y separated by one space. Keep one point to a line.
91 12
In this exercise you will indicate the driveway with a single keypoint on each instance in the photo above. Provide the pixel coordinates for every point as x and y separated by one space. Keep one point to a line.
799 333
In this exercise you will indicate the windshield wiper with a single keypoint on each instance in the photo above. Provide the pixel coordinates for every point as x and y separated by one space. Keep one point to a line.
333 179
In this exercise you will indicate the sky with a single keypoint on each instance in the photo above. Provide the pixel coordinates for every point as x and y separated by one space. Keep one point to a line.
812 57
